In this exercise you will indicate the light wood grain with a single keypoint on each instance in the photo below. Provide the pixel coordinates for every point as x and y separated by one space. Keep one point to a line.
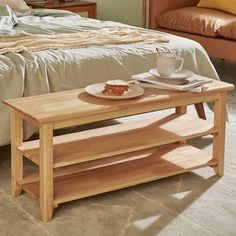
117 139
76 107
181 110
124 111
154 165
112 156
46 171
94 164
75 6
200 110
16 155
219 137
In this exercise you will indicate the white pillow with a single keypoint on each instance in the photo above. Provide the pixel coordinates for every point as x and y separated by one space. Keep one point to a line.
15 4
7 18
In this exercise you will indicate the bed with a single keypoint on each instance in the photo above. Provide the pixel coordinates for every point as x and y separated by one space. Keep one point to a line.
27 73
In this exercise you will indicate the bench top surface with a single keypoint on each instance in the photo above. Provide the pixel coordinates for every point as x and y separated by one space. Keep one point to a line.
55 107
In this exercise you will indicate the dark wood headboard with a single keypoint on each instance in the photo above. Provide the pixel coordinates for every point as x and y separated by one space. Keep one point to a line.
158 6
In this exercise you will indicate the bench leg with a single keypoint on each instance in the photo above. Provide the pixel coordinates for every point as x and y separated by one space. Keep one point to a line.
200 110
46 171
16 155
181 109
219 138
198 106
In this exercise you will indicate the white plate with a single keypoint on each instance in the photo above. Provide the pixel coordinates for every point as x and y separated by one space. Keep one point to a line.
182 74
97 91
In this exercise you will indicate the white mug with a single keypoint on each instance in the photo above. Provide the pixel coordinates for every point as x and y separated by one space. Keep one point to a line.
166 63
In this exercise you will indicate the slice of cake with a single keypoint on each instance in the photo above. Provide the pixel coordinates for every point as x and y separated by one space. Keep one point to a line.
115 87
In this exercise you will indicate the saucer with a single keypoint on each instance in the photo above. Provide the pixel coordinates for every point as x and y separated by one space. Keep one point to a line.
172 81
182 74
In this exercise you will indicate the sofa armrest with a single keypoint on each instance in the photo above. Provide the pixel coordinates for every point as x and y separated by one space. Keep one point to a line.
156 7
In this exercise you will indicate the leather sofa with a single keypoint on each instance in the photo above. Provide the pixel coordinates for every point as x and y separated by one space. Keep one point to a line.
215 30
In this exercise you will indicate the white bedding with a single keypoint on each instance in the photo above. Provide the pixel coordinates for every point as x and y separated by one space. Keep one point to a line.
27 73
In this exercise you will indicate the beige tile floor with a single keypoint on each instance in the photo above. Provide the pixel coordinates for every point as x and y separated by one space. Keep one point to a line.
196 203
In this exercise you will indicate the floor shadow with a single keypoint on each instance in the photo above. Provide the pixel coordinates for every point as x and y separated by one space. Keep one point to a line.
156 204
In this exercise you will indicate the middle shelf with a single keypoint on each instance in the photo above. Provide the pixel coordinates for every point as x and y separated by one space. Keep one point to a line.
117 139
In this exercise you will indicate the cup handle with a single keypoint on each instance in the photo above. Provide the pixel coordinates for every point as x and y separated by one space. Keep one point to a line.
181 60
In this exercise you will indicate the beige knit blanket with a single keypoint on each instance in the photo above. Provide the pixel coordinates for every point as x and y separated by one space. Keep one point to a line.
38 42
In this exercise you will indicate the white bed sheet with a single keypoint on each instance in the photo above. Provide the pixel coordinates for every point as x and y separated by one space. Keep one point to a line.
26 73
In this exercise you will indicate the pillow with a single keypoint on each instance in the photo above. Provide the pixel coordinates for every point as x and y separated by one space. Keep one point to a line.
7 18
224 5
15 4
228 30
194 20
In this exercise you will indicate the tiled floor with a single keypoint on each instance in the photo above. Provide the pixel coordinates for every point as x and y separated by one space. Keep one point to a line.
196 203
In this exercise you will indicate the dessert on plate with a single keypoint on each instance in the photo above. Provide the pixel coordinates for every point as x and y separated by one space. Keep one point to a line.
115 87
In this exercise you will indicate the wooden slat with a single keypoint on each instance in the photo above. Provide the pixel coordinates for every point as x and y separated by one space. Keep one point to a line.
57 4
94 164
134 109
117 139
219 137
77 107
46 171
181 110
16 155
200 110
155 164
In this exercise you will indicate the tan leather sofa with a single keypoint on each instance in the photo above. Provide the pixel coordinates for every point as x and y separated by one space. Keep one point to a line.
215 30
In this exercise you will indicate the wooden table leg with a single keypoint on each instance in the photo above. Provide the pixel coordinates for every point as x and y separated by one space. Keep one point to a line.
219 138
16 155
198 106
46 171
200 110
181 109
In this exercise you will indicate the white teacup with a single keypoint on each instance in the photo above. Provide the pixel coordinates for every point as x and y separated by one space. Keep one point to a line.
166 63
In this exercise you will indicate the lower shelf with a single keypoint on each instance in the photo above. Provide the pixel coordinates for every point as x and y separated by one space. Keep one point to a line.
156 163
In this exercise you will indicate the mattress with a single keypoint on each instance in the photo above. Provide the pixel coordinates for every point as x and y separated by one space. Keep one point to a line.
46 71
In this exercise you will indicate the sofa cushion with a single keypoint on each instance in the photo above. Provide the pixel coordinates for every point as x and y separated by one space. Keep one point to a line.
223 5
228 30
194 20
